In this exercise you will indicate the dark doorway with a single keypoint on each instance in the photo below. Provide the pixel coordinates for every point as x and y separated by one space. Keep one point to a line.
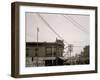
48 63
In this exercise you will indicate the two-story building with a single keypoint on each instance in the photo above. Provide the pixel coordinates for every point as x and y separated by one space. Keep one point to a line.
44 53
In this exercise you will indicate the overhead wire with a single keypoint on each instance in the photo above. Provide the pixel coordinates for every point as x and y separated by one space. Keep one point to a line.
71 20
51 28
75 23
78 23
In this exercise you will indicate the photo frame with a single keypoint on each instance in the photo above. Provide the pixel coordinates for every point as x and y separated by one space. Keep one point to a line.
53 39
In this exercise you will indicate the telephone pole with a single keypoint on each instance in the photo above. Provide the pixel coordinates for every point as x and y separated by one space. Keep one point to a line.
70 49
37 46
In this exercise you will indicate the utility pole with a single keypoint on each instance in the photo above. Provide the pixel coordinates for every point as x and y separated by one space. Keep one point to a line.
37 46
70 48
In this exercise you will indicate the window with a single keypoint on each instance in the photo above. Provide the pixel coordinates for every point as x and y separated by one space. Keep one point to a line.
27 52
48 52
60 51
36 51
54 51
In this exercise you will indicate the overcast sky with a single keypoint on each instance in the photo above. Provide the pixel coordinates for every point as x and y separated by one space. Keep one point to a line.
74 29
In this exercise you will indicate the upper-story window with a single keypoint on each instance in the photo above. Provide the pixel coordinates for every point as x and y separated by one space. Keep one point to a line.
36 51
60 51
27 52
54 51
49 52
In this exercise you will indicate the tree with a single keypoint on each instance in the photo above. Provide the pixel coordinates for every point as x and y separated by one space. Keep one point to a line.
84 56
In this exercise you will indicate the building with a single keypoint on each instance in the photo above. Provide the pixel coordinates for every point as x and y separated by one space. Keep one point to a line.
44 53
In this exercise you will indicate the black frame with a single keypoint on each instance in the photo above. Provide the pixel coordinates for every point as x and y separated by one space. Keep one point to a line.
15 38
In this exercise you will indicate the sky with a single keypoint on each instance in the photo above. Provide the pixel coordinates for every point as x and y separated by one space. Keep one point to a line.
72 28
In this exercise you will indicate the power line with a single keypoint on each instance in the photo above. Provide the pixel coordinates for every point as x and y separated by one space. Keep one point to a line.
55 31
74 46
78 23
75 23
51 28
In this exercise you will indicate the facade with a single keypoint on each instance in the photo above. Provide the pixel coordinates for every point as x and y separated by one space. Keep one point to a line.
44 53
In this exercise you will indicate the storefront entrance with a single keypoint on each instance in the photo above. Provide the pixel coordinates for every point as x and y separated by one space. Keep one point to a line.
48 63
